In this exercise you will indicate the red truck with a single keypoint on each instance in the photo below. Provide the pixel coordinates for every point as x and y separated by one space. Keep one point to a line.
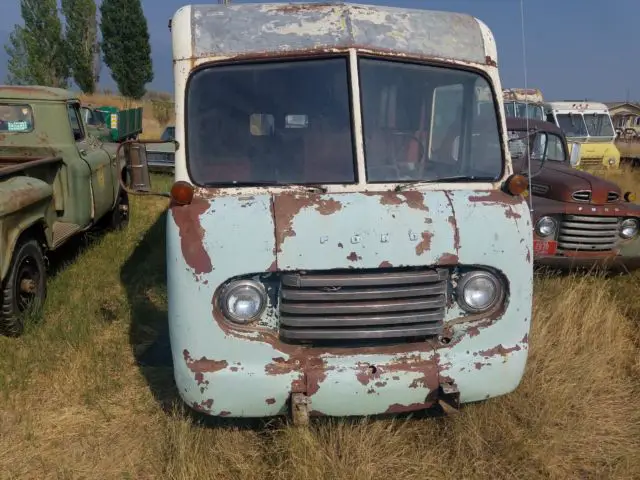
579 219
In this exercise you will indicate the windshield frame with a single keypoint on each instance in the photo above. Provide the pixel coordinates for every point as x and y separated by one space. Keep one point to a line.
497 107
266 61
360 184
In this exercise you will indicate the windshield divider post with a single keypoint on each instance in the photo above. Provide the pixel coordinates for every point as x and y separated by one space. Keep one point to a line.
356 117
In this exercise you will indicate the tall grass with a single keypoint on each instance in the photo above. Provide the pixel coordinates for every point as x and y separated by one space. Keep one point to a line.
75 403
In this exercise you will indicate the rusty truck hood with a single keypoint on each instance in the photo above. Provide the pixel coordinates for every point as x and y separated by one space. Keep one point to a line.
231 235
558 181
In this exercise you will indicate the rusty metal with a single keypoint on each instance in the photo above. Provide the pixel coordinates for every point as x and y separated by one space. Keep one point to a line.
300 406
6 170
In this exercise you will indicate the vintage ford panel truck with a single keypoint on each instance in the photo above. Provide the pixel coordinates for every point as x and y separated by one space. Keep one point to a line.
55 181
345 235
579 219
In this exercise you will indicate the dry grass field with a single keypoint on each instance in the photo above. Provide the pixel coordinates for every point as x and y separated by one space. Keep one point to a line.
76 403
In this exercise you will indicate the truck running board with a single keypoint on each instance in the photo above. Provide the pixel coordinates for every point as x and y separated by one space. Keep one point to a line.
62 231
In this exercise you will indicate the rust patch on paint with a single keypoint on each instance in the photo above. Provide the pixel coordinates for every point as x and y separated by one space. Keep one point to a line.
498 350
425 244
354 257
412 407
204 406
224 413
509 213
385 264
448 259
286 206
495 197
413 199
187 219
270 401
273 267
490 61
204 365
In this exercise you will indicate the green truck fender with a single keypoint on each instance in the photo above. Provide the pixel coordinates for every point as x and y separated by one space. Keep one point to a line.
24 202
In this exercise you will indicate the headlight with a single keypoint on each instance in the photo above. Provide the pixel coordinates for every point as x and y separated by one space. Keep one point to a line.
629 228
479 291
612 161
243 301
546 226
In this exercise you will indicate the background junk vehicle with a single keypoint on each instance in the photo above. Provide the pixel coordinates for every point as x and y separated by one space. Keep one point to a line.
345 234
579 219
161 156
55 182
523 103
590 125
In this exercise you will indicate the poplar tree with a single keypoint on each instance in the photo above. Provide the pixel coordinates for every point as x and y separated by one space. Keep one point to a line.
125 45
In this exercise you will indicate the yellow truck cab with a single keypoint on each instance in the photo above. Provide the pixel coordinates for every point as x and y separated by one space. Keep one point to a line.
587 123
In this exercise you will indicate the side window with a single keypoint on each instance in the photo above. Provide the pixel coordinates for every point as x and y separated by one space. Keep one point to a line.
446 119
550 118
517 144
555 148
76 124
537 149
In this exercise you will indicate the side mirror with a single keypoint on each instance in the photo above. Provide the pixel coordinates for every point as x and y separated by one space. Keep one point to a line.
138 179
574 155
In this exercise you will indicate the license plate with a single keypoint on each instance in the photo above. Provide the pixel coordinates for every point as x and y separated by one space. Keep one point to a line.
545 247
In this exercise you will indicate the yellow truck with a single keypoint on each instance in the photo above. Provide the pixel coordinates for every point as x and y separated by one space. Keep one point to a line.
587 123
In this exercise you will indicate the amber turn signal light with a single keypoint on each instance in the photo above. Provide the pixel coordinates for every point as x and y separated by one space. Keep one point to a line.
182 192
629 197
516 184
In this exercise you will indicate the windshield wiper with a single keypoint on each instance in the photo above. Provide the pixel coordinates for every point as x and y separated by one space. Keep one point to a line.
454 178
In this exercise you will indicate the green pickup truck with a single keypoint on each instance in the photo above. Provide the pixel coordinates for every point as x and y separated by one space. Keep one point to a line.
56 181
109 124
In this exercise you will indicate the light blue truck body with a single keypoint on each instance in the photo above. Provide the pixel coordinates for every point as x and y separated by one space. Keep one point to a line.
319 254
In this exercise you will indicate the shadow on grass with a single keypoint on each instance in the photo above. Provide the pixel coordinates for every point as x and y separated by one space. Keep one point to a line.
144 277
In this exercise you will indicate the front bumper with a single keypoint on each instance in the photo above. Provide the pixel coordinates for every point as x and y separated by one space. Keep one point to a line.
359 382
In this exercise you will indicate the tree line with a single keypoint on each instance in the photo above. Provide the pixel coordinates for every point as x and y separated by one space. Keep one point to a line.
44 51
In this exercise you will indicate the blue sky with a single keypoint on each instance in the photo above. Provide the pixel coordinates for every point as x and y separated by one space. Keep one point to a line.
575 48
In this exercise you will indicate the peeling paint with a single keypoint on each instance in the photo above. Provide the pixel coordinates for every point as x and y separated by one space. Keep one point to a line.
187 218
425 244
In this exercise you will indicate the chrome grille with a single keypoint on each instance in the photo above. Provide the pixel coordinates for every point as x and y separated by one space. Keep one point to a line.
595 163
588 233
613 197
581 195
378 306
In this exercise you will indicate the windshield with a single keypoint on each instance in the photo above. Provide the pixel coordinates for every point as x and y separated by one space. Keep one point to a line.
599 125
572 124
16 118
424 123
520 110
270 123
